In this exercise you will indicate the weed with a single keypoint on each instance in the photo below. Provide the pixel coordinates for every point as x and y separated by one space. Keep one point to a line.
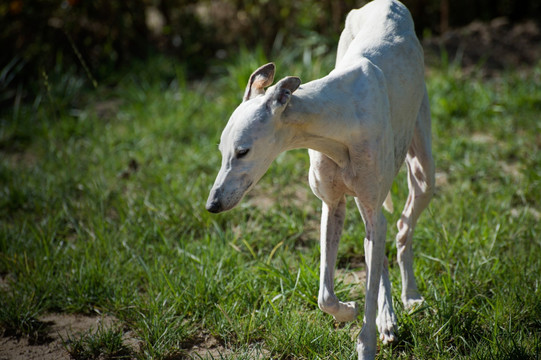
19 317
104 343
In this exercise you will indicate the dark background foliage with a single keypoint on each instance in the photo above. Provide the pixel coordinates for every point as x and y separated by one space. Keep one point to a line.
97 37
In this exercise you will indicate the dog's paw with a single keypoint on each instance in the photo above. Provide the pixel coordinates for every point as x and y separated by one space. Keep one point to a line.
387 325
412 301
347 311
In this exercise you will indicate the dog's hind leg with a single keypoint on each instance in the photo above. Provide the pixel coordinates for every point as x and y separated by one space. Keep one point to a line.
420 166
332 221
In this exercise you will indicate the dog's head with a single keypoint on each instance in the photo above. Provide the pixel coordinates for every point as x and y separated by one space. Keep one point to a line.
252 138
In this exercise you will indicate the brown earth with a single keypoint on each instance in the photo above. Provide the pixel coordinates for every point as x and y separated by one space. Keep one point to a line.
59 328
50 345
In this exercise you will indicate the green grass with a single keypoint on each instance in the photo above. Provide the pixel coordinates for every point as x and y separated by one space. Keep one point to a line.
101 344
102 196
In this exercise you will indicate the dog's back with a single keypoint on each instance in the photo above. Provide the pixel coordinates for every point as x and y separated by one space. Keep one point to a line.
375 30
383 32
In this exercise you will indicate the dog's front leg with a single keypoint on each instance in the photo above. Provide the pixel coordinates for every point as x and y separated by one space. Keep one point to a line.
374 245
386 319
332 221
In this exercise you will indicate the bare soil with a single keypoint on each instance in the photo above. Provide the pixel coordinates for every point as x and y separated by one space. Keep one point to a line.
59 328
50 345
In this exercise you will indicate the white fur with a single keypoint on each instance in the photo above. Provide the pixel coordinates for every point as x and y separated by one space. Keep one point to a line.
359 123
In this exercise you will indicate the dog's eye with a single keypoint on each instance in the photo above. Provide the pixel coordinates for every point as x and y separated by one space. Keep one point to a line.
241 153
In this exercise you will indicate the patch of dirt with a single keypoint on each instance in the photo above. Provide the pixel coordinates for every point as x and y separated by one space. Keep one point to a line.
57 327
24 158
357 278
442 179
61 327
298 195
260 200
5 282
512 169
488 47
107 109
519 212
482 138
207 346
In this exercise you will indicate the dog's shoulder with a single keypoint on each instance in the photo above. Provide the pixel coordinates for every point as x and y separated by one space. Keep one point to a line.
362 73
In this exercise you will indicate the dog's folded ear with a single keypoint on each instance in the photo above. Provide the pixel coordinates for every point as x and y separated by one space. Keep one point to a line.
281 93
259 80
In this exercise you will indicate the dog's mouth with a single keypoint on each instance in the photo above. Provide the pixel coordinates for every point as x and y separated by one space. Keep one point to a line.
249 187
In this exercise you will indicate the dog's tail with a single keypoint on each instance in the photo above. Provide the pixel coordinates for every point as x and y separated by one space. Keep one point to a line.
388 203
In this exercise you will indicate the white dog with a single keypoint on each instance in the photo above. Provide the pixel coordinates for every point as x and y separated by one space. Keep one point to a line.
360 123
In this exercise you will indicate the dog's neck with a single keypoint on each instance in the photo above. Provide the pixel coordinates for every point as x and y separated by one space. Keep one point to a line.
308 123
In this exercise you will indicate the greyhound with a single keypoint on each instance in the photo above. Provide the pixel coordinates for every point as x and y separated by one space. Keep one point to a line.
360 123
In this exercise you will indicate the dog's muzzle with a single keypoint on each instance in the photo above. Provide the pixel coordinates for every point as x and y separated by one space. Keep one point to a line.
214 206
222 199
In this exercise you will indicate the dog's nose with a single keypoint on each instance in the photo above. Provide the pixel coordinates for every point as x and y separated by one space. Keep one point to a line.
214 206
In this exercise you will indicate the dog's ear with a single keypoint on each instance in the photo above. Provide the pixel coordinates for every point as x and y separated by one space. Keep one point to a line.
281 94
260 79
